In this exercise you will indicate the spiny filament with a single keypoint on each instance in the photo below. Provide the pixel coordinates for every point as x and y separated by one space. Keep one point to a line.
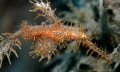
7 45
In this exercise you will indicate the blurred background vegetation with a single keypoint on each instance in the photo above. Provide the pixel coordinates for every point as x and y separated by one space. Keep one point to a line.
102 21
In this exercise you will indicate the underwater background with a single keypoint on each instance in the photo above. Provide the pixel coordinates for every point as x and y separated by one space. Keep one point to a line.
105 28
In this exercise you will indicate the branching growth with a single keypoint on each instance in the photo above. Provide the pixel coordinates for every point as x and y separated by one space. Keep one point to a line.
46 37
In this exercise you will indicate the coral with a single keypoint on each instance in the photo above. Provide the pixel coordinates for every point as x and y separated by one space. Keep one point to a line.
102 21
81 63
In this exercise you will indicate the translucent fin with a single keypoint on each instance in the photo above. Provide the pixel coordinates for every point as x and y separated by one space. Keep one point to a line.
45 48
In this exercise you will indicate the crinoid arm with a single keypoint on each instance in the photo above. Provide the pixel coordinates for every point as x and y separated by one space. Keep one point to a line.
44 8
44 47
7 43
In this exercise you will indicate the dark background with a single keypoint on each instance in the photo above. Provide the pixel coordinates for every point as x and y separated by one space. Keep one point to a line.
12 12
